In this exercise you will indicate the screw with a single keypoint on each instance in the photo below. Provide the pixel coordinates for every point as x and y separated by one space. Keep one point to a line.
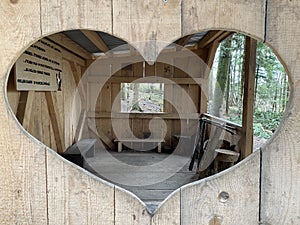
223 196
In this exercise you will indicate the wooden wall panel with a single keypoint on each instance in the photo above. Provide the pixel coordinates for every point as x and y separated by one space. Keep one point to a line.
204 203
62 15
140 21
163 216
129 210
229 14
281 157
80 199
24 173
23 190
67 104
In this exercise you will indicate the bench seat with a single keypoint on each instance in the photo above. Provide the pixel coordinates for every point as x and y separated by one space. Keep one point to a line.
135 140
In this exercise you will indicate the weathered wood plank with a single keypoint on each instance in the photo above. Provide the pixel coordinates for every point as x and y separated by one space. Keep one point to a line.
23 189
229 197
129 209
224 15
169 211
281 156
75 197
131 21
87 14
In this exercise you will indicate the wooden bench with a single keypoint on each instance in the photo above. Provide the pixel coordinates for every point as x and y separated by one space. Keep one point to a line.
82 149
135 140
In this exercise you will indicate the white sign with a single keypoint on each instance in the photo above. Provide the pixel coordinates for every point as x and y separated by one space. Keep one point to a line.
39 68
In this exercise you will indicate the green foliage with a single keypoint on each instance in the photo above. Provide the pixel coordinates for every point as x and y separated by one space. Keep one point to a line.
142 97
271 85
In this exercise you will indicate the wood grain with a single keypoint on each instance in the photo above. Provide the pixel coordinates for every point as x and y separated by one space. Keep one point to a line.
129 209
202 201
140 21
169 211
86 14
29 174
75 197
223 15
281 157
22 169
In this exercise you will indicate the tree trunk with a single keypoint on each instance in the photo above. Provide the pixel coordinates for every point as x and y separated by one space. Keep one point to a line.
222 75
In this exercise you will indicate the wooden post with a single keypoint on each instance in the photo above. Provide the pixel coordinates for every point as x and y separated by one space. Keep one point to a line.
246 143
53 113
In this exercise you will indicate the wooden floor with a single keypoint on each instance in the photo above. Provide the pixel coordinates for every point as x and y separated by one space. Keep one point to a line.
149 175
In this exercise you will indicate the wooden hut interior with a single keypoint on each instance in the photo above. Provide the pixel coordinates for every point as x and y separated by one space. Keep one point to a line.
81 107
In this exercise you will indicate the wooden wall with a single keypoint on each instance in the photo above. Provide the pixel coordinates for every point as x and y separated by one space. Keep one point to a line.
104 93
50 117
39 187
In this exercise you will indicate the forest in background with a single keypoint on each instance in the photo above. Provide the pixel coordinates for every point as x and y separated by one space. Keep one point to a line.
226 85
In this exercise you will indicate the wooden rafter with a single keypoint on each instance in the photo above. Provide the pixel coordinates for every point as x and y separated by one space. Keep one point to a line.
209 38
223 36
183 41
213 36
96 40
70 45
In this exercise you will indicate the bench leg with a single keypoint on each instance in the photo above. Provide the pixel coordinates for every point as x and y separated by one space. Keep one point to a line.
119 146
159 148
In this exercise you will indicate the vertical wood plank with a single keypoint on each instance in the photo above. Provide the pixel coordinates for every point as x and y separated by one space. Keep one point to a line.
169 211
281 156
23 189
45 120
248 101
105 98
129 210
195 95
28 109
223 14
64 15
140 21
115 97
227 198
75 197
54 118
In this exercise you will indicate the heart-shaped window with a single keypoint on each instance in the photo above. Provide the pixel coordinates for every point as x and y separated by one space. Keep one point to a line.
149 122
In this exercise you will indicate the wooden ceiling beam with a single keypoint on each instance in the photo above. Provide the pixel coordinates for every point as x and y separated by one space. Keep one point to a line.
183 41
65 42
209 38
96 40
223 36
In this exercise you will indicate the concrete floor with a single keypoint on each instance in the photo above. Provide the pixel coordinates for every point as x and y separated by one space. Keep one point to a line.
149 175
